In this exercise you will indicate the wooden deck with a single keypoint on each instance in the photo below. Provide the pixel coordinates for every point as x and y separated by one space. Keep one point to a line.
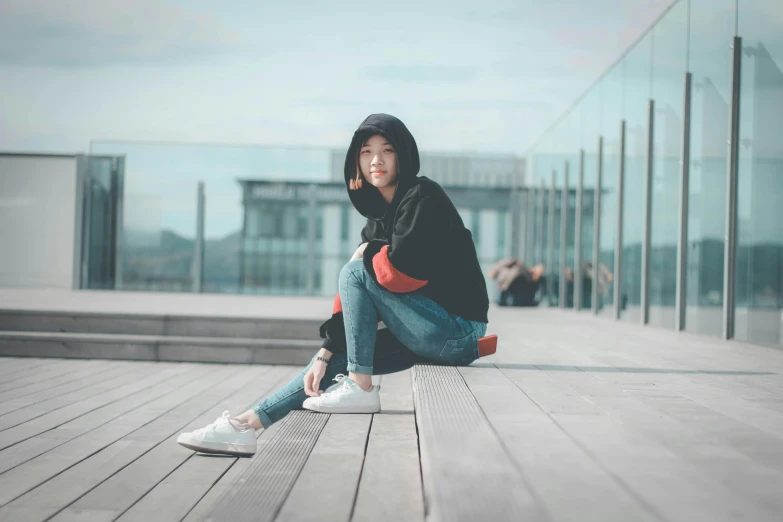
575 418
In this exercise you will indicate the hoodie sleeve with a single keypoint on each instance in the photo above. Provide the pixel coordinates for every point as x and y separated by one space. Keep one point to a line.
408 262
370 232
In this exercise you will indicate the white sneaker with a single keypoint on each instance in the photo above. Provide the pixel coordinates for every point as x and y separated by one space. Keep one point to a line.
221 437
345 397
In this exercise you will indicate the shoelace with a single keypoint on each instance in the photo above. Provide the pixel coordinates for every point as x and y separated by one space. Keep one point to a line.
340 384
219 422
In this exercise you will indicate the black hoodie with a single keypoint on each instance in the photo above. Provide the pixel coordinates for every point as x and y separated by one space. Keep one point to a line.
417 242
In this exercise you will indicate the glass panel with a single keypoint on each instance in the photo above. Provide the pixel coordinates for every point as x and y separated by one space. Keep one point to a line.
711 30
612 111
759 270
669 55
160 206
638 82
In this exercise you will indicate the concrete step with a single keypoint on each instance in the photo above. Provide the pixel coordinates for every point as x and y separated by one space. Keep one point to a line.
160 324
81 345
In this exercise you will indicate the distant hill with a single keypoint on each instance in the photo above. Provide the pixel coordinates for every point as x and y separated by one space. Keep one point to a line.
163 261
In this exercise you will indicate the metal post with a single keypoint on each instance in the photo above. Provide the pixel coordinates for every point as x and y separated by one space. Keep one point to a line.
311 206
530 231
198 247
551 232
541 258
597 226
648 174
119 230
563 236
83 206
730 244
109 271
618 245
682 240
243 239
578 233
516 223
530 226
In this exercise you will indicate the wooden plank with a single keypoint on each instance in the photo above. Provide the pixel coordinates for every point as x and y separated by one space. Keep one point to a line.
156 486
10 366
90 370
111 418
121 387
230 479
8 363
397 393
263 487
745 459
37 378
85 390
80 380
569 482
61 368
25 372
390 487
175 496
669 485
137 454
31 474
467 472
339 452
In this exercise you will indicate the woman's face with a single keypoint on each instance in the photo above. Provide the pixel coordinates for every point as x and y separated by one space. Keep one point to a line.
378 161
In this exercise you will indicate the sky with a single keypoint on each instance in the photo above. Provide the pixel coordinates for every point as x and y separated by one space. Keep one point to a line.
464 76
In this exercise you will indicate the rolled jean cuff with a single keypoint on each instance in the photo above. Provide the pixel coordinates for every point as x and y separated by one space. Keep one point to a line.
355 368
263 417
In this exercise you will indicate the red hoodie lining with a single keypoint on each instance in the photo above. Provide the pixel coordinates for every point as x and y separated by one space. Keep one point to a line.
390 278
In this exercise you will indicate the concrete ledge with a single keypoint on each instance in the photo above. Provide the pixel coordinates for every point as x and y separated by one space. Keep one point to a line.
157 348
158 324
166 303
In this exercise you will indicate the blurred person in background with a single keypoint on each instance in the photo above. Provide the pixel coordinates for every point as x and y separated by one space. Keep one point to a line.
517 283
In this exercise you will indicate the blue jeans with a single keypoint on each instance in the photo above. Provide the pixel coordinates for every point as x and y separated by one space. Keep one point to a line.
418 330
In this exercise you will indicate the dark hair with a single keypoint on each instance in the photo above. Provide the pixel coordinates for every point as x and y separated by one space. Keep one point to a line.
357 182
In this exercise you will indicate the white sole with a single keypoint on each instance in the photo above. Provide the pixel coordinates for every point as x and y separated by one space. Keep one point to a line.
344 409
222 448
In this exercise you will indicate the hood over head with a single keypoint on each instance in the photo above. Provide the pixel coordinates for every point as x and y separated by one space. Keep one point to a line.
368 200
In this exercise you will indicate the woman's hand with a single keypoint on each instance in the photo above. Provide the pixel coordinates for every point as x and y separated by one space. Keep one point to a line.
359 252
312 378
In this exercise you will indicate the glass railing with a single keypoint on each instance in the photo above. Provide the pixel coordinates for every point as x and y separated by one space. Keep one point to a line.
275 221
648 81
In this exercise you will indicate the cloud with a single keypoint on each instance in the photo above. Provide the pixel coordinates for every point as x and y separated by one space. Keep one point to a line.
93 33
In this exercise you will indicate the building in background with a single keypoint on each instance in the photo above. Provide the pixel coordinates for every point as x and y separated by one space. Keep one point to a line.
297 235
